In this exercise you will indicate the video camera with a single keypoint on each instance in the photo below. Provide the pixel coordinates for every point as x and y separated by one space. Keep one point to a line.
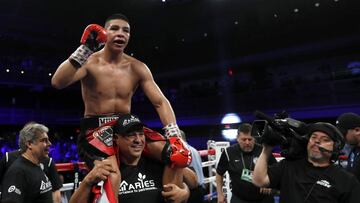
288 133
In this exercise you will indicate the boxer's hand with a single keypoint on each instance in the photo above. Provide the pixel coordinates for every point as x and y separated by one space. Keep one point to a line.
92 39
100 172
175 152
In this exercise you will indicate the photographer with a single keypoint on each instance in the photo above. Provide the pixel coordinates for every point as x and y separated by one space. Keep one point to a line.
314 178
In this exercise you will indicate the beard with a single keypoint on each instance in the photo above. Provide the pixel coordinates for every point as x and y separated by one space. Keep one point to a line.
317 156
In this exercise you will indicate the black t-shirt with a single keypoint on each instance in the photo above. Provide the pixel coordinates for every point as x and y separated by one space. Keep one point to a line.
353 164
47 165
25 182
299 181
234 165
141 183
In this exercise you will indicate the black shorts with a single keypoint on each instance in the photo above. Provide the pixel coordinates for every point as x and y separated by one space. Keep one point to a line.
87 152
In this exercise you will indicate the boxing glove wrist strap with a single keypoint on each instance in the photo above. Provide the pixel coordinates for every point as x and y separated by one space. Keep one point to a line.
172 130
79 57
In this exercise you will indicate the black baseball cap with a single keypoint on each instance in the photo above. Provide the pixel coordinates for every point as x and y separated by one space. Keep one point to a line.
347 121
127 123
326 128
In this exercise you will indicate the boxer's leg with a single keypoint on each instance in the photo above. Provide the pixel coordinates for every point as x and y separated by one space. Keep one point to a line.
97 145
171 174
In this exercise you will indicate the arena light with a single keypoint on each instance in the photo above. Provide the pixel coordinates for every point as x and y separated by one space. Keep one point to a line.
230 72
50 74
7 70
228 132
354 67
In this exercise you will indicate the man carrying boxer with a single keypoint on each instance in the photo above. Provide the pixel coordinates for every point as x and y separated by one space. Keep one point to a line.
109 78
141 175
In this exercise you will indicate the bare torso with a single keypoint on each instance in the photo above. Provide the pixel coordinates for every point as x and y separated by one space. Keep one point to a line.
108 87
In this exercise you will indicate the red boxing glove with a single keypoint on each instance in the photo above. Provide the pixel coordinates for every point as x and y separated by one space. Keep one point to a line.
176 153
93 38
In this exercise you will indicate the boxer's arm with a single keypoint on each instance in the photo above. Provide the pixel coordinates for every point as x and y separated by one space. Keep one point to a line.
190 178
154 94
72 70
167 117
170 175
66 74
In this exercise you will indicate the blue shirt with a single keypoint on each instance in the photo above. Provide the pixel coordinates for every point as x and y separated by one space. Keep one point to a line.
196 164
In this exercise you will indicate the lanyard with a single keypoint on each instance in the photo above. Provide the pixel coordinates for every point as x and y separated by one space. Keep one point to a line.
243 162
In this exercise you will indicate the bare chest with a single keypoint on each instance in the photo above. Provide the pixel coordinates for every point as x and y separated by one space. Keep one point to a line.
115 80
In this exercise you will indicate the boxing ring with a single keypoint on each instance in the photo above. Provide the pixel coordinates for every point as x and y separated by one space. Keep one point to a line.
212 154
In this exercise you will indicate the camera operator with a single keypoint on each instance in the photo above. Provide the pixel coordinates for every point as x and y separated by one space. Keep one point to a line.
314 178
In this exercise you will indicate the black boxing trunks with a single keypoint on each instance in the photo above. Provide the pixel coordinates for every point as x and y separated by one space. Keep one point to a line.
91 149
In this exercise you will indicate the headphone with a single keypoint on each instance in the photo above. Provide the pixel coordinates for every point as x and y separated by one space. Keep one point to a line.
333 132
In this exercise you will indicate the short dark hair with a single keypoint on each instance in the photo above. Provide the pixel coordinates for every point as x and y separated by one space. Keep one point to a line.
244 128
347 121
117 16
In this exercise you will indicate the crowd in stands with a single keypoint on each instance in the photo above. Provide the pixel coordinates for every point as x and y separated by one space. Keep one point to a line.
62 151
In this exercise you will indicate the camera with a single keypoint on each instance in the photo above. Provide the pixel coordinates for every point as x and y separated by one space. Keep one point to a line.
288 133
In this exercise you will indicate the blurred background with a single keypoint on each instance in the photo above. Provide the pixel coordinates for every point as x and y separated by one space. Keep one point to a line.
209 57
